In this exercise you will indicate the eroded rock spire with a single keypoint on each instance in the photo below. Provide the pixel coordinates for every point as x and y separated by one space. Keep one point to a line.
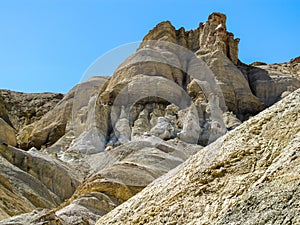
209 36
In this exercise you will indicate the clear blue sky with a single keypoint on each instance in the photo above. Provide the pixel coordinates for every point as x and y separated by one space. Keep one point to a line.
47 45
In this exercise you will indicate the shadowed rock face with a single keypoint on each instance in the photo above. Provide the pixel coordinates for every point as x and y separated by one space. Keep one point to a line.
272 82
18 110
238 95
108 138
7 134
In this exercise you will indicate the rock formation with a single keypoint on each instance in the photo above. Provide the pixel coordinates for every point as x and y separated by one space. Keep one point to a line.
209 36
80 155
214 36
249 176
18 110
122 172
7 134
21 109
186 70
32 180
55 124
271 82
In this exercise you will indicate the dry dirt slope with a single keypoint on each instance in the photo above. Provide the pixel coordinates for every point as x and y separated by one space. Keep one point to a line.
249 176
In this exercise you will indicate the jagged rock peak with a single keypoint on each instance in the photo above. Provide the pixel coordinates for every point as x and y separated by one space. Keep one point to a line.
214 35
210 36
166 31
295 60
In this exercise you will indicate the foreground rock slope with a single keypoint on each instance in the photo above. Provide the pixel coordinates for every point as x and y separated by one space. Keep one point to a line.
248 176
31 180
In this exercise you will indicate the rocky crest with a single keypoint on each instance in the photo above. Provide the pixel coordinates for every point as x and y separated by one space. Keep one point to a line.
214 36
209 36
82 154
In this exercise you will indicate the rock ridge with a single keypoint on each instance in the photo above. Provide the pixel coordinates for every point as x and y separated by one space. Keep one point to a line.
209 36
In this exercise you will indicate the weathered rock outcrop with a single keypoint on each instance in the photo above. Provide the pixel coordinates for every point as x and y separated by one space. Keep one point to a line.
166 31
126 170
295 61
20 192
52 173
37 216
66 116
248 176
209 36
50 127
122 172
20 109
214 36
32 180
3 111
82 132
237 93
272 82
7 133
167 71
